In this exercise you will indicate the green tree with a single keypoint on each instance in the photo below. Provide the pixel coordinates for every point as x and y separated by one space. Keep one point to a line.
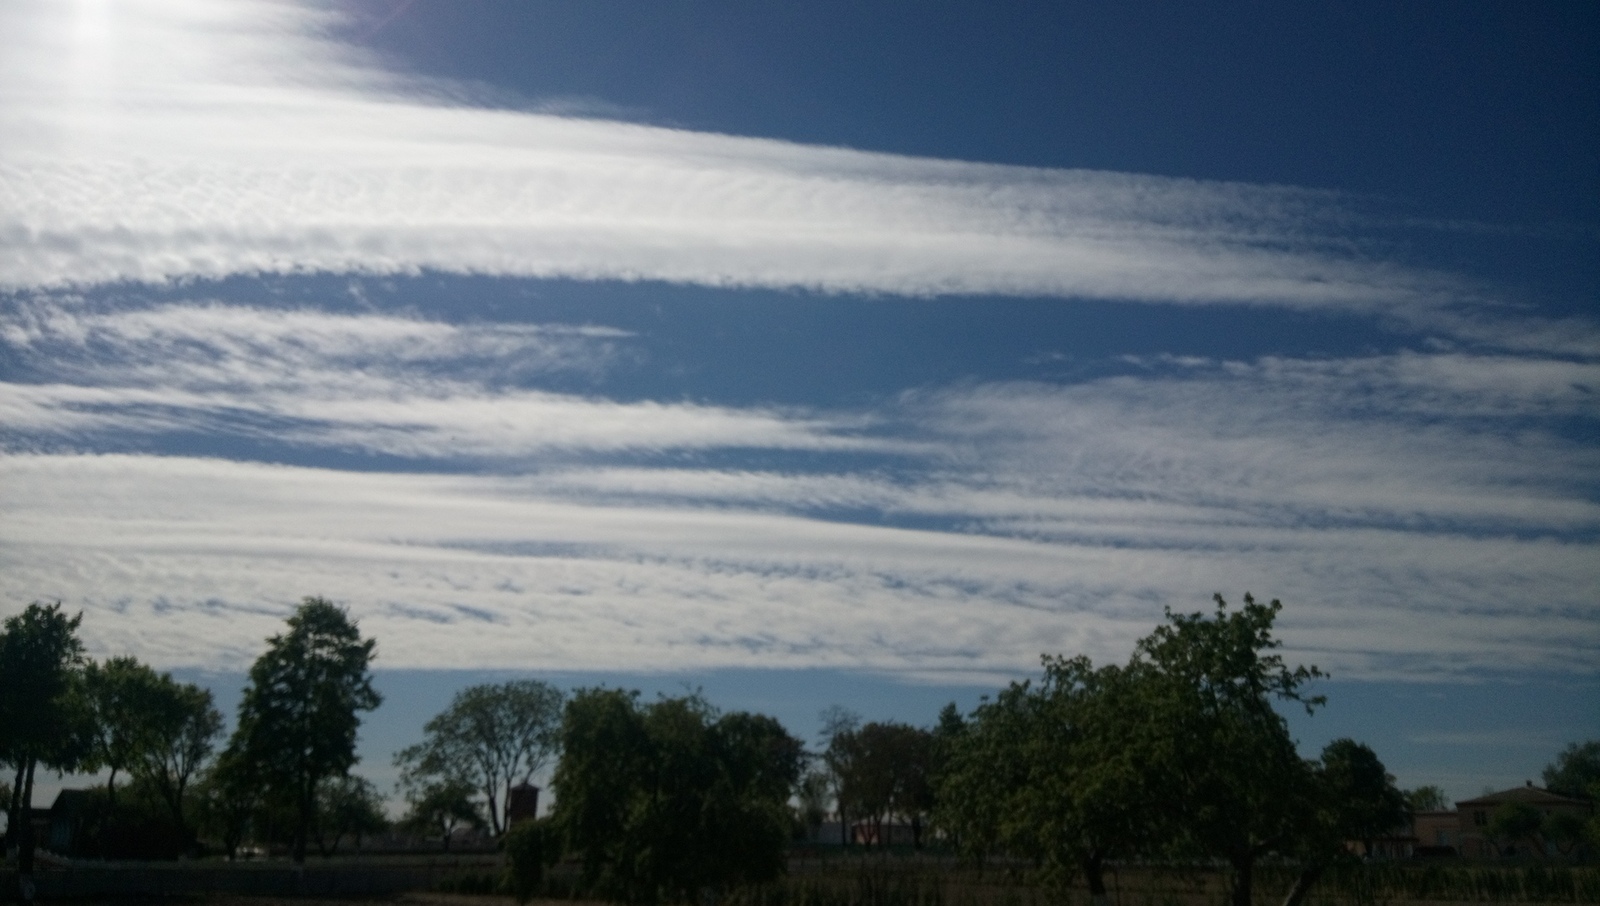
1515 822
158 730
1352 797
1563 830
897 763
1056 771
1576 771
1366 803
441 806
1234 778
1427 799
182 731
298 718
227 797
347 805
841 755
492 736
121 694
666 800
43 717
811 797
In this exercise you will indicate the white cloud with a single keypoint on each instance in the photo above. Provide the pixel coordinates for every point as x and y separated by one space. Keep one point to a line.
375 384
212 138
1422 514
1053 519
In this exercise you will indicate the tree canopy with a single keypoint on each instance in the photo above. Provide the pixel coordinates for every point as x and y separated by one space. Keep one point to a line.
670 798
42 715
298 718
439 807
1576 771
492 737
1428 798
1231 771
1053 770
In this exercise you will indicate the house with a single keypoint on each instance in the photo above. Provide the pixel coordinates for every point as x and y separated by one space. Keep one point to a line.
1474 815
70 816
1437 833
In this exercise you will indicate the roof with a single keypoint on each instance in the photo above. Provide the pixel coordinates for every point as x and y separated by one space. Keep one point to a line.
71 802
1532 795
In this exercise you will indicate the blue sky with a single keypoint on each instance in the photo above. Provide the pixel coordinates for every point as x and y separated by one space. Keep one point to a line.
816 353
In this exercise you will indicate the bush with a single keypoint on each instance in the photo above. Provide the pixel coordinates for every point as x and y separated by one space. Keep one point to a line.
530 847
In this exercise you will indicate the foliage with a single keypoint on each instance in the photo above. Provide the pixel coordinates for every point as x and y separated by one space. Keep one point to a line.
1055 771
839 754
1515 822
347 805
884 771
297 720
811 797
182 727
442 806
1564 830
1231 774
1363 801
146 723
491 737
226 796
1427 799
664 800
530 847
42 715
1351 797
1576 771
120 694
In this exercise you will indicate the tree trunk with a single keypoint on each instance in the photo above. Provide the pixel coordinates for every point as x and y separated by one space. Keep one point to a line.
25 841
1243 878
1095 875
12 819
302 829
1303 884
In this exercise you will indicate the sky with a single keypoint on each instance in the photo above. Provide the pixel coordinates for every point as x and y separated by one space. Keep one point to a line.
819 353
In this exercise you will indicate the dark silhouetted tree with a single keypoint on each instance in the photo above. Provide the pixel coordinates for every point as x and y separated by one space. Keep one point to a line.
347 806
1576 771
183 730
1234 779
121 694
493 737
1427 799
1057 771
298 718
441 806
668 800
1351 797
841 757
43 712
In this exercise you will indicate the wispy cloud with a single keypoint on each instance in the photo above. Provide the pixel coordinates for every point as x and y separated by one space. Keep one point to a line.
375 384
208 138
1423 515
193 560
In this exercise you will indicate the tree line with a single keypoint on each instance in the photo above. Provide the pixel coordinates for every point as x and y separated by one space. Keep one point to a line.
284 770
1180 752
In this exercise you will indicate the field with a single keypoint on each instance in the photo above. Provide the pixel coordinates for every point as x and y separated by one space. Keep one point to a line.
834 879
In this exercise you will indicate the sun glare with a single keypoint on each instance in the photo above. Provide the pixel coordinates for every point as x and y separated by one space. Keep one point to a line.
89 62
